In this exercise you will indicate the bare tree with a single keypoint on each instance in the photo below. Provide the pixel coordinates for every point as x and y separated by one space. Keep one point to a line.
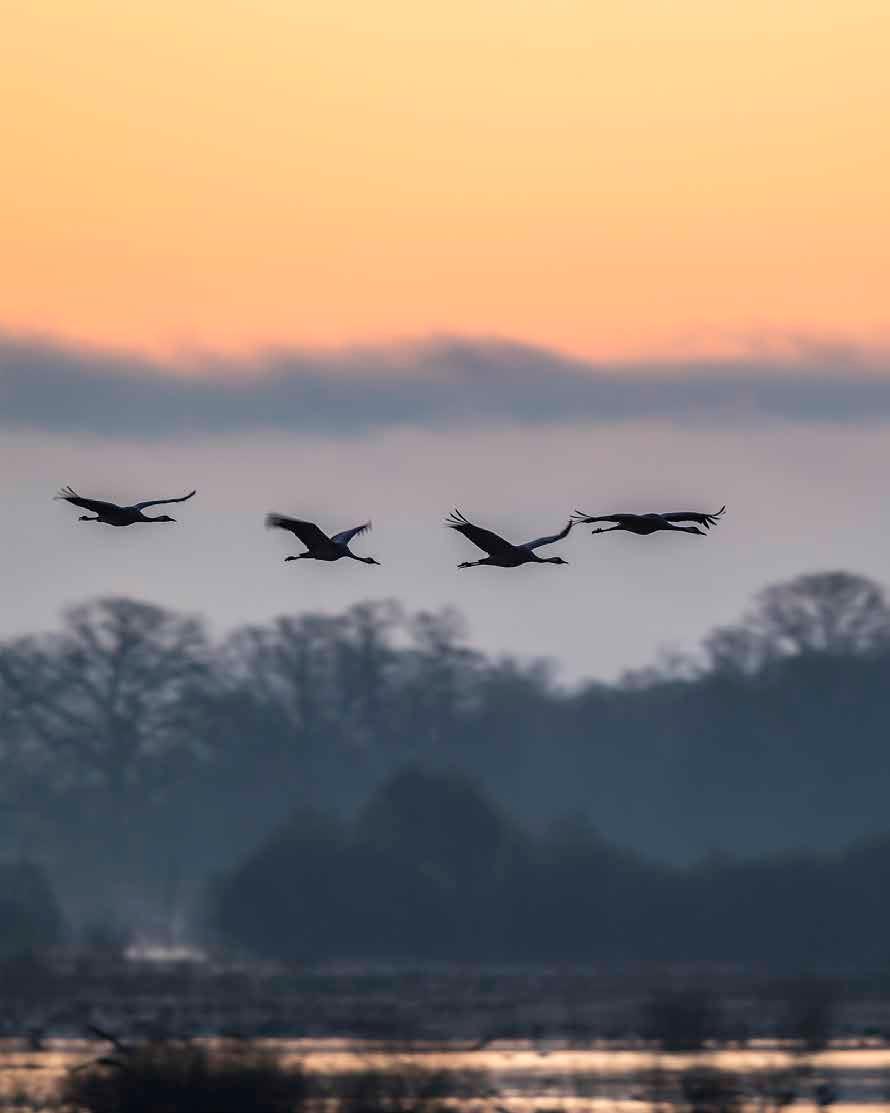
440 675
824 612
366 666
821 612
116 695
736 650
285 674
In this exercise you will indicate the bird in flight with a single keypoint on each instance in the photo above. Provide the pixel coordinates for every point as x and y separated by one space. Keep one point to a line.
112 514
318 545
501 553
644 524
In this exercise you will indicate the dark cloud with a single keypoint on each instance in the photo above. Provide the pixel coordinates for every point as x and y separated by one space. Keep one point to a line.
53 387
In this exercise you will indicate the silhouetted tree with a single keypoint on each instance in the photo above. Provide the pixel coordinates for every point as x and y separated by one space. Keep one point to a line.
134 750
292 897
822 612
109 716
114 697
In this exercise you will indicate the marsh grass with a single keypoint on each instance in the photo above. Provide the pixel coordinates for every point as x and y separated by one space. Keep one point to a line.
406 1088
684 1019
170 1077
183 1077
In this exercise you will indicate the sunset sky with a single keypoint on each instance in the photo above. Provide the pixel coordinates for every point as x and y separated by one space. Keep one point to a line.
653 177
360 259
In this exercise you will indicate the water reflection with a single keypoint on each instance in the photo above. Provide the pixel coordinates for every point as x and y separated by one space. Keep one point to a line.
522 1076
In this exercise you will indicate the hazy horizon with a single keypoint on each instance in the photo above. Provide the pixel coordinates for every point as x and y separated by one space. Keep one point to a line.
801 496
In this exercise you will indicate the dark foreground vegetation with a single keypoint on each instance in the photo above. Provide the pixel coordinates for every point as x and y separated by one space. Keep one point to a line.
368 785
432 869
426 1043
186 1077
190 1079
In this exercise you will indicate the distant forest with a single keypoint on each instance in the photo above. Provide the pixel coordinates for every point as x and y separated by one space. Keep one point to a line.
145 764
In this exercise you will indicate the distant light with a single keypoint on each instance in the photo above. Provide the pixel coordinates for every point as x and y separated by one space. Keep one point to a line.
160 952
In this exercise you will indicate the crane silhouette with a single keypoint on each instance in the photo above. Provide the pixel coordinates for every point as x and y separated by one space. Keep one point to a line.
501 553
644 524
112 514
319 546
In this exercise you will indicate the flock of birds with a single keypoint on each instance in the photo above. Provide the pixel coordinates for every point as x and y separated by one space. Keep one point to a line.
500 553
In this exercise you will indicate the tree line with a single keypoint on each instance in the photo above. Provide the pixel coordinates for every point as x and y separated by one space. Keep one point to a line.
142 758
431 869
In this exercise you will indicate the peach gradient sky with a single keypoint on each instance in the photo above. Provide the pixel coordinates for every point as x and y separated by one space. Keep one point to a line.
652 177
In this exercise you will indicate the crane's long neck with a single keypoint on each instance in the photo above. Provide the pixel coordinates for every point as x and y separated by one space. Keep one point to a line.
363 560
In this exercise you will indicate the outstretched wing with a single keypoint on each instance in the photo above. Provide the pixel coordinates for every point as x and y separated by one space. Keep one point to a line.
96 505
347 535
484 539
579 518
694 516
530 545
160 502
307 532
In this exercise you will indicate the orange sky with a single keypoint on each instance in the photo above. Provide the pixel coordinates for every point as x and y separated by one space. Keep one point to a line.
615 179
